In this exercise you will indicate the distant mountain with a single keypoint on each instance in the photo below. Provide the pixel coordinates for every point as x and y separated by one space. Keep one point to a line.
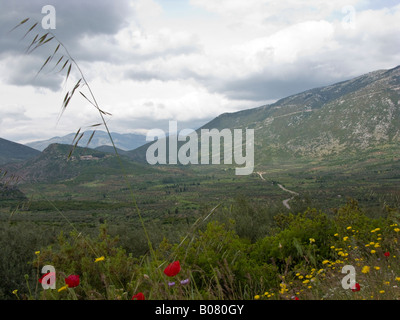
110 149
54 164
11 151
342 119
126 141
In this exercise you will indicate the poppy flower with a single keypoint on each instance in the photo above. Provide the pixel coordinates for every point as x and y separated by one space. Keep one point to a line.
356 288
138 296
51 274
72 281
387 254
172 269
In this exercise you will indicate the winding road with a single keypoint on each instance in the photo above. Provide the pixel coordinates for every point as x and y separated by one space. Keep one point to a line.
286 201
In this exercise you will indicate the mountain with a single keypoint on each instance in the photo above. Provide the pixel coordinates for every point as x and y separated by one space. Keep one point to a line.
56 164
346 118
11 151
126 141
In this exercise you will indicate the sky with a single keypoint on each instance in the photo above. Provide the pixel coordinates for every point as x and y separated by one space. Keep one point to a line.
152 61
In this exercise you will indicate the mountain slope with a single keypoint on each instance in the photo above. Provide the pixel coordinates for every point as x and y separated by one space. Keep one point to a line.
11 151
344 118
127 141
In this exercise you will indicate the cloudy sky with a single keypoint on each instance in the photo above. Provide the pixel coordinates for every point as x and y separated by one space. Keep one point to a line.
151 61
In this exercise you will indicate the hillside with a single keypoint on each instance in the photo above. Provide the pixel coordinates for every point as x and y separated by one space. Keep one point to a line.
11 151
54 164
343 119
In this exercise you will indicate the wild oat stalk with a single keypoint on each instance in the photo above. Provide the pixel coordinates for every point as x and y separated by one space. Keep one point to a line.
67 62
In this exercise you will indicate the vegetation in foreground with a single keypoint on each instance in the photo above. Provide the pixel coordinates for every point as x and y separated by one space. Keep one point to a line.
300 257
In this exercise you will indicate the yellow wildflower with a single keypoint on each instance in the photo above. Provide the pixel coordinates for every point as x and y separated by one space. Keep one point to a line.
37 252
365 269
257 297
377 268
382 291
99 259
348 228
15 292
325 261
396 229
397 279
63 288
306 281
345 238
373 251
312 240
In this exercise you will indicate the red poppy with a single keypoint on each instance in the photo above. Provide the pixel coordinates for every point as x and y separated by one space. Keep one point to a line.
72 281
387 254
139 296
356 288
172 269
51 274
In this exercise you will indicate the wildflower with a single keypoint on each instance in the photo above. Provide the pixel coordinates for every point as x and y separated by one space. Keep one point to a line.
312 240
63 288
387 254
171 284
396 229
72 281
373 251
306 281
397 279
365 269
257 297
336 234
325 261
356 288
186 281
172 269
345 238
332 247
99 259
382 291
50 274
37 252
301 277
348 228
15 292
138 296
377 268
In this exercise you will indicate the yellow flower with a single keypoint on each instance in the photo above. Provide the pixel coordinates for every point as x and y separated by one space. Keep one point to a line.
99 259
312 240
325 261
396 229
365 269
301 277
382 291
306 281
373 251
345 238
15 292
257 297
63 288
348 228
377 268
397 279
336 234
332 247
37 252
